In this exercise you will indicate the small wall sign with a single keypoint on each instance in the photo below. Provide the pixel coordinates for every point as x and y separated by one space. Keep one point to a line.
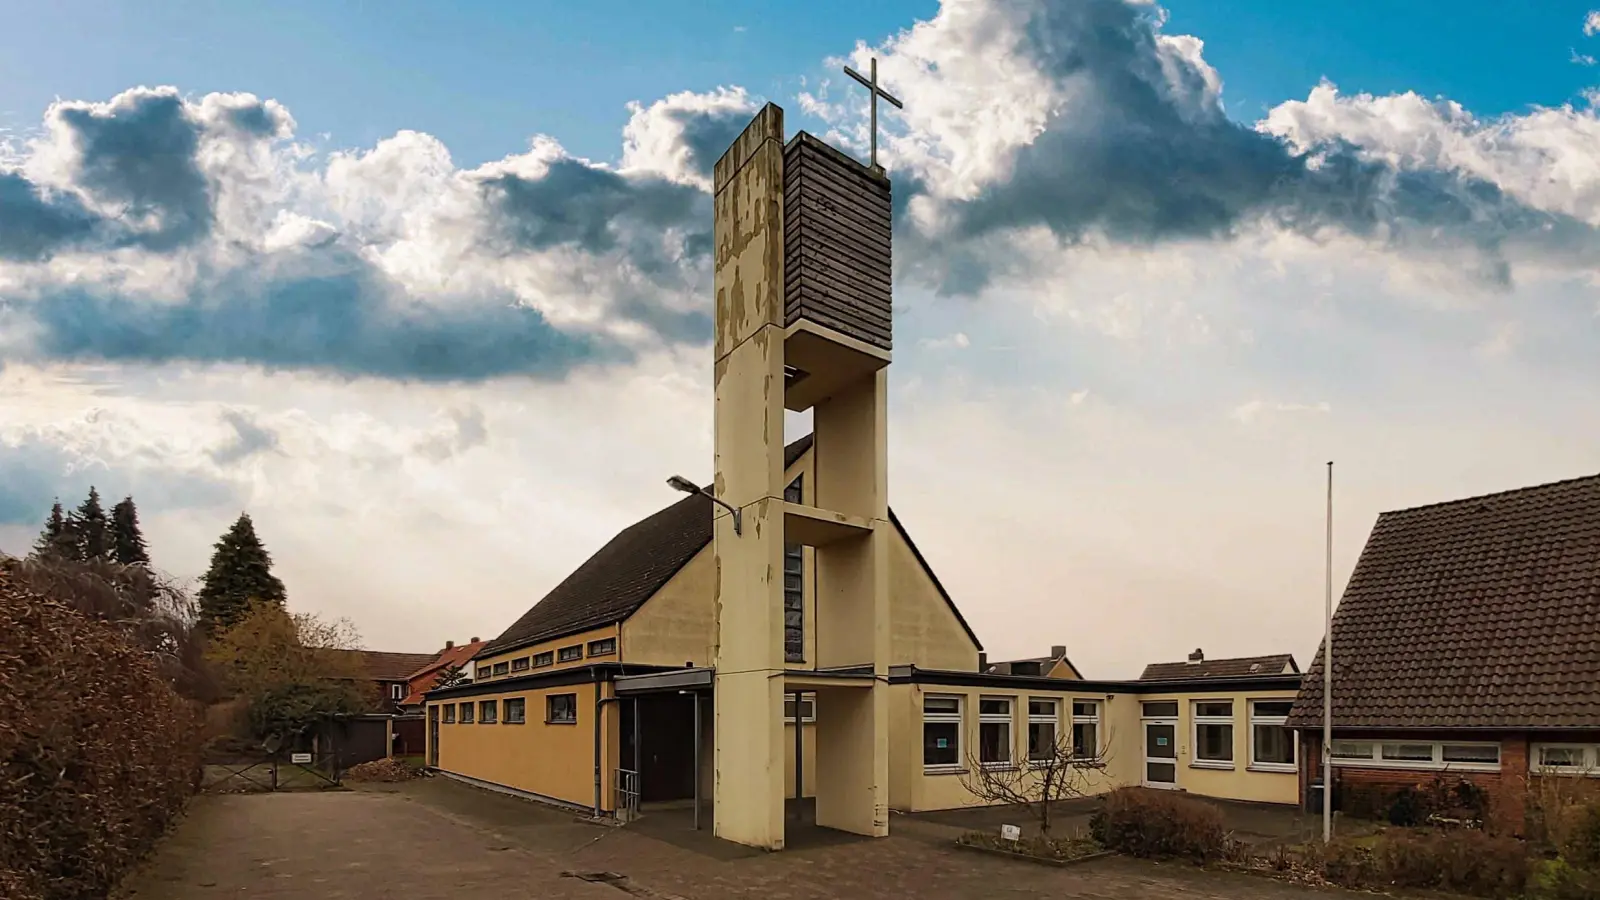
300 759
943 742
1010 833
1161 742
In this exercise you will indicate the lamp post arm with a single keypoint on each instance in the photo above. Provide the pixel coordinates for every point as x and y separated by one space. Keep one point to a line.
738 520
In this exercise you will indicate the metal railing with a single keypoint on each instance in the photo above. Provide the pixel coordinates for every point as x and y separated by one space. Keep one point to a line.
627 795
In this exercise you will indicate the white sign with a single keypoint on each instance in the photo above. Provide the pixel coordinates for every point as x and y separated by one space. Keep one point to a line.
299 758
1010 833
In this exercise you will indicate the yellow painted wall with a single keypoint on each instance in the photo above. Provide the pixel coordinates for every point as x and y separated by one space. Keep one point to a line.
913 788
677 624
554 648
548 759
1063 669
1239 782
924 631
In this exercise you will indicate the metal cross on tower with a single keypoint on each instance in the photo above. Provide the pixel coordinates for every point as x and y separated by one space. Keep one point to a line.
871 85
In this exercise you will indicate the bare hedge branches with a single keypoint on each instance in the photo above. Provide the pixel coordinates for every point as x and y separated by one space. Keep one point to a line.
98 749
1051 774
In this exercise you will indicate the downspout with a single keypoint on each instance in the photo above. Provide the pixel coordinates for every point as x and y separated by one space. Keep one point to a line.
599 706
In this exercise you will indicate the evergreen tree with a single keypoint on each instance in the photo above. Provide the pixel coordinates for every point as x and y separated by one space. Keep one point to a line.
127 541
90 530
241 572
56 540
450 676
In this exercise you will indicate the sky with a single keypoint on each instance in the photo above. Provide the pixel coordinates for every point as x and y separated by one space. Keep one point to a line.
426 289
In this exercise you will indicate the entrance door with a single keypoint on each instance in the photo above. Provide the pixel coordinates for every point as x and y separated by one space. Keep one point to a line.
1160 754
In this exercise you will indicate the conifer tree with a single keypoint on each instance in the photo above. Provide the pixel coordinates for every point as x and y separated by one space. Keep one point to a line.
89 528
127 540
240 572
55 541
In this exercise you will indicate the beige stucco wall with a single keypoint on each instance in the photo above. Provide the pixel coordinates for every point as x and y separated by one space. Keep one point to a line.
924 631
552 760
676 625
913 788
552 646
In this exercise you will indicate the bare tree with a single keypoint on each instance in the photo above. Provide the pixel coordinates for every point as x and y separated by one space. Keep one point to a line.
1051 774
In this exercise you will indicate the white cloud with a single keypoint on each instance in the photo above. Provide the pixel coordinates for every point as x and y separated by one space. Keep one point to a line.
1591 23
1252 410
956 341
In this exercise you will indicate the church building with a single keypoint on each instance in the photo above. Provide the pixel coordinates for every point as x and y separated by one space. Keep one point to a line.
777 634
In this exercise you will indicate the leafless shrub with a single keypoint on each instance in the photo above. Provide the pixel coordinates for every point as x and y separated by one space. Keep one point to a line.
1051 774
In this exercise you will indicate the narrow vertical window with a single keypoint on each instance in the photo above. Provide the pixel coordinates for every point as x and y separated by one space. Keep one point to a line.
794 592
994 731
1042 723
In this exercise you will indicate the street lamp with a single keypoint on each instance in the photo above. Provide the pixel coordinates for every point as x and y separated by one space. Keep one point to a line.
680 483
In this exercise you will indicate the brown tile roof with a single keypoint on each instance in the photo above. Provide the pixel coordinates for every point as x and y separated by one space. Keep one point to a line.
1044 664
613 583
1220 668
381 666
1478 613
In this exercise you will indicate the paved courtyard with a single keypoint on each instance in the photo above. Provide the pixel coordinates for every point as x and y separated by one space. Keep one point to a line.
435 838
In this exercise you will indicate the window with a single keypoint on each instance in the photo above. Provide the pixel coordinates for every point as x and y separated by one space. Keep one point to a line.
1161 709
520 664
994 731
1213 734
603 647
540 660
1043 716
449 714
808 708
502 668
516 710
466 713
561 709
484 672
941 732
486 712
1469 756
568 654
1565 759
397 692
1085 729
794 590
1271 741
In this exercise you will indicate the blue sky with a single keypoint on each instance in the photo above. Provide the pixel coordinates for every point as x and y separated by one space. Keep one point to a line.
483 76
1135 316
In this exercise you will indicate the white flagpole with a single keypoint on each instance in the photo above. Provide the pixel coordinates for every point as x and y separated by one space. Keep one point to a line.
1327 678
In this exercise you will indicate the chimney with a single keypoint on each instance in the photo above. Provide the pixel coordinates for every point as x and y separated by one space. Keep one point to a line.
983 662
1059 651
474 641
449 644
1197 657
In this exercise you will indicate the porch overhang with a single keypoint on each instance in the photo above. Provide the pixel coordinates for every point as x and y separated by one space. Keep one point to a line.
690 679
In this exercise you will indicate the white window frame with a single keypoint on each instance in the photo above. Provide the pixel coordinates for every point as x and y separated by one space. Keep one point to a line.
1051 718
1589 769
1375 760
1196 720
958 719
1008 719
397 692
1256 765
808 708
1094 752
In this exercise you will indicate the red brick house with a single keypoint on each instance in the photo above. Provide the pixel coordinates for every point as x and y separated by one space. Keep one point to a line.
1467 643
422 680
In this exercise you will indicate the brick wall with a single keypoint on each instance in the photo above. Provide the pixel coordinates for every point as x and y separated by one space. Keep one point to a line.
1507 789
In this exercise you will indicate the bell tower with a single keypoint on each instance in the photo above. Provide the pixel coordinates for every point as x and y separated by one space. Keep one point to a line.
802 237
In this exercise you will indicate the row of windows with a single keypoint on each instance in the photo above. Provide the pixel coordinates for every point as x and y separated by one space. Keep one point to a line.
943 729
1566 759
1416 754
1272 744
602 647
559 709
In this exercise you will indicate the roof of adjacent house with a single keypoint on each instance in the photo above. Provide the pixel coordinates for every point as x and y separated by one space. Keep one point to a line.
613 583
1477 613
381 666
1046 663
1275 664
450 656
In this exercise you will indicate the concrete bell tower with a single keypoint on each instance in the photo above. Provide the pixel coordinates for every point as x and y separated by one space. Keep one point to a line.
802 238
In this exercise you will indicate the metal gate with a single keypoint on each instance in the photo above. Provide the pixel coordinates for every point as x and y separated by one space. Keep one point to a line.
627 795
272 772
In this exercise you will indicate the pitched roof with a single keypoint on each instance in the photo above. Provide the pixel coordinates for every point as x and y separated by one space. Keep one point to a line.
1477 613
1045 664
1220 668
613 583
381 666
450 656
